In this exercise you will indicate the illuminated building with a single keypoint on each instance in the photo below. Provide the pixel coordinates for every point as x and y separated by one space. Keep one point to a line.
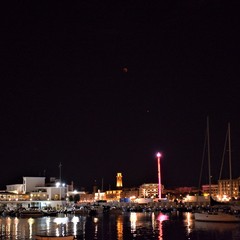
29 184
206 189
224 188
35 192
149 190
129 193
113 195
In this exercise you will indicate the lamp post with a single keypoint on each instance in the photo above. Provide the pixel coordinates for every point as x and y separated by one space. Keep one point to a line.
159 176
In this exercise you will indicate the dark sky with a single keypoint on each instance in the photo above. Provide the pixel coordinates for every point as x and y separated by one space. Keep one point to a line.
65 96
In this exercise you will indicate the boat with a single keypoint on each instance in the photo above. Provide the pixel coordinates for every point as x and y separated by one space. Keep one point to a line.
44 237
80 210
216 217
95 209
214 214
31 212
49 212
219 227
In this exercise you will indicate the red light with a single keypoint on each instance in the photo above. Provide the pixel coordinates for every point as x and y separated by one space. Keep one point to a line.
161 217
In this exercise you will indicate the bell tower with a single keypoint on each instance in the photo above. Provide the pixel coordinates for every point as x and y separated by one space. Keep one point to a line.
119 180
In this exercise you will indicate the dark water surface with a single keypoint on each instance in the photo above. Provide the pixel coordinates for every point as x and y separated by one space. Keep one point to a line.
120 226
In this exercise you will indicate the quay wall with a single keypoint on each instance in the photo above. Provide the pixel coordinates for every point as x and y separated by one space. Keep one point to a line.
117 204
166 205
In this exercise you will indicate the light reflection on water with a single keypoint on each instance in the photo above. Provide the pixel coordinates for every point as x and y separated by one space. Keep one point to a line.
120 227
130 225
133 220
30 223
189 222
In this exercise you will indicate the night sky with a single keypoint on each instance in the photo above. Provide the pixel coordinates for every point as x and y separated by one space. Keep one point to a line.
102 87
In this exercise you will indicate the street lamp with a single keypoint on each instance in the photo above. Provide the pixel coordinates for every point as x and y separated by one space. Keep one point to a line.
159 176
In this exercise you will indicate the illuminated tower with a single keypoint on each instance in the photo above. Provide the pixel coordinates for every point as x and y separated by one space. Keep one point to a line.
159 177
119 180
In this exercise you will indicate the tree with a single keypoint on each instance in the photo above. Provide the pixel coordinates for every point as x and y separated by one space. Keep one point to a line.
76 198
70 198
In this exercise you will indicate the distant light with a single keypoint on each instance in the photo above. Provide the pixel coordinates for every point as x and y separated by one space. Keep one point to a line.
159 154
57 184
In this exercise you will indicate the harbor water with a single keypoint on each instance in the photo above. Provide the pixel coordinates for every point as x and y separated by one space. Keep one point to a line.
121 226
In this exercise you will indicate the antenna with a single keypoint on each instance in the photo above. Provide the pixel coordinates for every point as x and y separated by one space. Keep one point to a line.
230 159
60 168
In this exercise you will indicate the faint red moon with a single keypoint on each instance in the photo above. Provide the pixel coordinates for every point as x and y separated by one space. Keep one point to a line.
125 70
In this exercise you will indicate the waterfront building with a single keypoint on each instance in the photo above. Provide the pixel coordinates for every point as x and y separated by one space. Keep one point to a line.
6 196
130 193
186 190
149 190
80 197
29 184
34 192
229 189
113 195
87 197
206 189
180 193
49 193
99 195
15 188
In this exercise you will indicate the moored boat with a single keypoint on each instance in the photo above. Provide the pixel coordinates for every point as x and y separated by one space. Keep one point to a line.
216 217
219 214
49 212
31 213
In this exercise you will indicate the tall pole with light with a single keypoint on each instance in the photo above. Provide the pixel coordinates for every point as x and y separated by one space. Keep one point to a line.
159 176
60 179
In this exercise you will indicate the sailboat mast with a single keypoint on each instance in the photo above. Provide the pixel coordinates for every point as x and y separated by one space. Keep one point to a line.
209 164
224 152
230 159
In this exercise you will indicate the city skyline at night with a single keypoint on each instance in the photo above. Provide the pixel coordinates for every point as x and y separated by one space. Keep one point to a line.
102 88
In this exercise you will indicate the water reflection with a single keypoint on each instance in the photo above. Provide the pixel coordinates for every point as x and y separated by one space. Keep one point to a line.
130 225
149 223
95 220
16 221
30 223
14 228
189 222
120 227
161 217
133 220
8 226
75 221
60 228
